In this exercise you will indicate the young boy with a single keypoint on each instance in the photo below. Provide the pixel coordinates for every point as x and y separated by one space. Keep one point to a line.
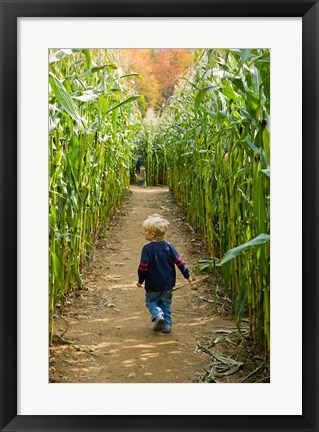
157 269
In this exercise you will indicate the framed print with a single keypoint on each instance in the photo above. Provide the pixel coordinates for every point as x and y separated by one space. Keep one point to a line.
28 401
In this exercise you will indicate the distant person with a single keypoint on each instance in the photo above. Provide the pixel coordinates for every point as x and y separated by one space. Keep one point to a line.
157 270
138 164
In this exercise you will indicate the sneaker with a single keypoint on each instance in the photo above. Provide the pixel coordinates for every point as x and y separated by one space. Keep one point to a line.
158 323
166 328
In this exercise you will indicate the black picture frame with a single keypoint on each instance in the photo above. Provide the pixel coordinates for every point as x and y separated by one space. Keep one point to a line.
10 11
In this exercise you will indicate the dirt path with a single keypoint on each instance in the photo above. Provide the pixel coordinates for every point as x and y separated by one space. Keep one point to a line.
108 320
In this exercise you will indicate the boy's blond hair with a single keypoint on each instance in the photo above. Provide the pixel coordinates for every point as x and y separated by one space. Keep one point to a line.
156 225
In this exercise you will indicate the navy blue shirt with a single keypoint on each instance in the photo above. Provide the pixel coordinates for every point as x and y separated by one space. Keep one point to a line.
157 266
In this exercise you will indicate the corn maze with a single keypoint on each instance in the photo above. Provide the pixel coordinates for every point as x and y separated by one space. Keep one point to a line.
210 146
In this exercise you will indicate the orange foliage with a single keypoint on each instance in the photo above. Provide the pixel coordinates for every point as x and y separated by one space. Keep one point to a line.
159 70
147 85
168 66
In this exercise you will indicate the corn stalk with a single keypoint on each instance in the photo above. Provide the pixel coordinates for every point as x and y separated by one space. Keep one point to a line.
216 143
93 126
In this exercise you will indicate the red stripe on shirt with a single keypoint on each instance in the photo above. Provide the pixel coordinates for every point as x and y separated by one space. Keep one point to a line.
179 262
142 269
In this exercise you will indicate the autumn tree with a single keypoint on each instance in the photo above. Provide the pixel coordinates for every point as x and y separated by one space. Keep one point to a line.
168 65
159 70
138 61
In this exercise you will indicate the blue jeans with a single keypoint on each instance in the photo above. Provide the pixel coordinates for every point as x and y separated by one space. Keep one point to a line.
160 302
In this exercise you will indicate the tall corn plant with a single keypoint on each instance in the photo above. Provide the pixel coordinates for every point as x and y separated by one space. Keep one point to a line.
93 123
215 132
153 155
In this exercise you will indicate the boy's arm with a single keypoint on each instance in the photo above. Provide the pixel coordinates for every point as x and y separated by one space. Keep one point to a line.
143 267
180 263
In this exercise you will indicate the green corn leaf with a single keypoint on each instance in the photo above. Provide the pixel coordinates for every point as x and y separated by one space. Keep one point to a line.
88 57
220 73
64 98
200 94
266 142
59 54
232 253
241 304
259 202
104 66
198 99
57 269
266 172
131 74
256 150
114 120
245 54
230 94
129 100
87 97
191 83
239 85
